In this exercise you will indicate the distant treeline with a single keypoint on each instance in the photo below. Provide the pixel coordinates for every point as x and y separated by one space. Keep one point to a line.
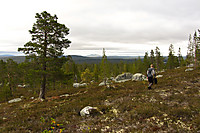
84 59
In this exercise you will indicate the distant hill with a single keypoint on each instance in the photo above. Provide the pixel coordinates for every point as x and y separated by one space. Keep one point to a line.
17 59
79 59
85 59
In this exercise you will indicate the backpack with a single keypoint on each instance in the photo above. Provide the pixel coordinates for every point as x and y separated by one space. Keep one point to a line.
150 72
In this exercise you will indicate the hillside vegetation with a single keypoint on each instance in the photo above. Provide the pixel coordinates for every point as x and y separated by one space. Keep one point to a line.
172 105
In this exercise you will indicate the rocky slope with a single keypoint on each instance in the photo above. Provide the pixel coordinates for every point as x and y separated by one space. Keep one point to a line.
173 105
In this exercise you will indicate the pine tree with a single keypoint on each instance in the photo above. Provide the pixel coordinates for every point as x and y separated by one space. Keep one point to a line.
190 51
104 68
12 74
3 72
146 61
139 65
70 70
48 40
159 60
125 68
197 46
134 69
172 61
152 57
96 73
181 61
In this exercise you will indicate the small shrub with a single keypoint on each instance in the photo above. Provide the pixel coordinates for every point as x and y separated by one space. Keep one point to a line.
147 111
54 127
5 93
180 112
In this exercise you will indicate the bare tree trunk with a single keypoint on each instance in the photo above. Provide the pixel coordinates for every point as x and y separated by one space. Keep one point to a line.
43 84
43 87
54 84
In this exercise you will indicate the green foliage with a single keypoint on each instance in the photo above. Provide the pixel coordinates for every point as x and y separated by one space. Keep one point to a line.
152 57
71 69
159 60
180 58
3 72
190 51
172 61
48 41
96 73
104 66
5 93
55 127
146 61
86 76
147 111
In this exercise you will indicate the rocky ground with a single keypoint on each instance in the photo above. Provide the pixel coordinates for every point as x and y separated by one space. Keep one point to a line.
173 105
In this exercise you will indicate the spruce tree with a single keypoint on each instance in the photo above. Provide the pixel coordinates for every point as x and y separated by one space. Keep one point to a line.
104 71
12 74
159 60
3 74
172 61
146 61
152 57
197 46
181 61
139 65
96 73
190 51
48 40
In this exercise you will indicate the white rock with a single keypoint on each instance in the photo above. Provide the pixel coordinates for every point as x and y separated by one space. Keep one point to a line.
122 81
138 77
124 77
189 69
83 85
159 76
15 100
86 111
64 95
22 86
32 98
77 85
102 84
190 65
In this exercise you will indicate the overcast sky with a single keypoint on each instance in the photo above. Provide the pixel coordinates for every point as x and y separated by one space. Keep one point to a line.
122 27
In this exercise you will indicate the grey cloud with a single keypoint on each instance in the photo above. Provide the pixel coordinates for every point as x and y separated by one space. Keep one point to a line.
126 22
171 26
90 46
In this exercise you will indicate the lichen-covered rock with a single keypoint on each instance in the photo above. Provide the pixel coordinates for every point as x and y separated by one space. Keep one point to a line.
189 69
138 77
102 83
159 76
190 65
88 110
124 77
15 100
77 85
64 95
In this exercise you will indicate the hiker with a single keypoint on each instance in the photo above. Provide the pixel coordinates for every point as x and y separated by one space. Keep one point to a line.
151 74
